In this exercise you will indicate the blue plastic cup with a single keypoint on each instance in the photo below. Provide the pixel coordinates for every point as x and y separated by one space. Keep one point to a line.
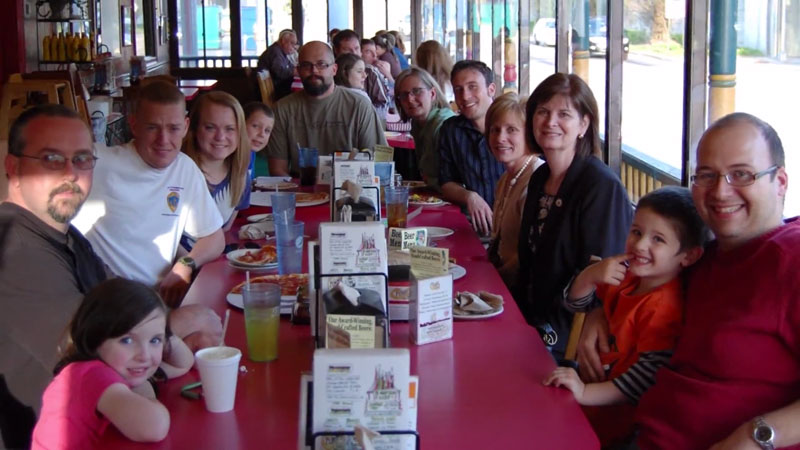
283 206
289 240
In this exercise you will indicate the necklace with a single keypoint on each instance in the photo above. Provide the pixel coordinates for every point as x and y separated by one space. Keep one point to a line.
501 208
519 172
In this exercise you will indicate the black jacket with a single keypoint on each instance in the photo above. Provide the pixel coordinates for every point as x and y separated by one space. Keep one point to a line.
591 215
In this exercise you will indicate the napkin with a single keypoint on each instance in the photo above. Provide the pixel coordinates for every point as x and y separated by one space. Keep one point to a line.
353 189
482 303
253 231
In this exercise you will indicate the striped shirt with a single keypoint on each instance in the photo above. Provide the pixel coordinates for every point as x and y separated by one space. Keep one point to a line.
465 158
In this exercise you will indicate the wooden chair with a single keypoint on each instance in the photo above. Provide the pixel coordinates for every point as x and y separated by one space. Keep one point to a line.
17 98
266 87
574 336
75 87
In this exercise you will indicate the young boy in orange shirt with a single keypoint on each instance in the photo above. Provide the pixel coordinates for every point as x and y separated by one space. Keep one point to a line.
642 296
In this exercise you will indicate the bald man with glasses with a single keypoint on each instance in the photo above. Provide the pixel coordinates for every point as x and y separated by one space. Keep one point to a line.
322 116
734 378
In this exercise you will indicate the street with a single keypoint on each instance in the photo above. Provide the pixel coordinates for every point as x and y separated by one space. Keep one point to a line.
652 102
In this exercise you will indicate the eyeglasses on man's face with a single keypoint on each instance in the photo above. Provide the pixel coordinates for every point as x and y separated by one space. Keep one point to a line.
738 177
56 161
306 66
416 92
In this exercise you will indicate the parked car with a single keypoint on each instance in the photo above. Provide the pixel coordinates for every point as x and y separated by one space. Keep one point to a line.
598 44
544 32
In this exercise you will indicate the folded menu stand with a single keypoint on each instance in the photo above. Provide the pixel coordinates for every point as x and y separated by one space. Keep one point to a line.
334 434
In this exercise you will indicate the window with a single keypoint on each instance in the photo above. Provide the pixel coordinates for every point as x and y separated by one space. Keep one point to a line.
204 33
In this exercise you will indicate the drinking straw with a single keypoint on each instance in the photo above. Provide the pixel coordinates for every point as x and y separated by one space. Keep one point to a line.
225 327
247 278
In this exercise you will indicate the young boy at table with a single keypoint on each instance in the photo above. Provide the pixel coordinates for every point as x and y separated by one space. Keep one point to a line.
642 296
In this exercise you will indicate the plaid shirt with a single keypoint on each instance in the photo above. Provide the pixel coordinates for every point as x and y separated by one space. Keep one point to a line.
465 158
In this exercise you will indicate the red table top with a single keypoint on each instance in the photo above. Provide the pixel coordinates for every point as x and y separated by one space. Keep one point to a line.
482 389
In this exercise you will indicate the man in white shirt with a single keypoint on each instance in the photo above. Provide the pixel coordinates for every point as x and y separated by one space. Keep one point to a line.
147 194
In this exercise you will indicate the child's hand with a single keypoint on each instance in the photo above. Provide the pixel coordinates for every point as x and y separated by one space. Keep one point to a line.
567 378
609 271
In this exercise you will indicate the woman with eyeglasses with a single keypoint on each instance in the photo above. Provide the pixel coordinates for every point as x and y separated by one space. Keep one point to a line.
576 207
420 100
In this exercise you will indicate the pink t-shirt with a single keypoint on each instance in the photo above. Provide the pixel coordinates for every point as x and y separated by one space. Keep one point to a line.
69 417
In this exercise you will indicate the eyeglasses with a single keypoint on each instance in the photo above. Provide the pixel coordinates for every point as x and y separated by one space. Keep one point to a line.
55 161
416 92
306 66
739 178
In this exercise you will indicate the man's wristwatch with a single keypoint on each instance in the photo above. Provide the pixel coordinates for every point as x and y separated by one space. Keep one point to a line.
763 434
189 262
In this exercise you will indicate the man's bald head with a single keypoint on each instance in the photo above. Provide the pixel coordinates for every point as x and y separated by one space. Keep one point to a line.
316 68
316 48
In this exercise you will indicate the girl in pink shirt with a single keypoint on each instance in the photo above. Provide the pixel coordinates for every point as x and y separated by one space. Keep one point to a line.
117 338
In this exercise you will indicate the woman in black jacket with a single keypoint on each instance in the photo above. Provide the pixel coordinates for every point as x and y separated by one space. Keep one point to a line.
576 206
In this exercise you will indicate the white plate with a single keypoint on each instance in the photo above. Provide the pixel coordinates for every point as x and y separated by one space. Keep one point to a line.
439 203
237 253
391 134
267 268
439 232
458 316
260 218
280 186
457 271
263 198
238 301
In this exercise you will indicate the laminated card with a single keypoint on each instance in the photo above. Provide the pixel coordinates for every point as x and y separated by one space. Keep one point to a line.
370 388
430 308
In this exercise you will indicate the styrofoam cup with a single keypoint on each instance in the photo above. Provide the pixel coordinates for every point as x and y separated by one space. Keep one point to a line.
219 370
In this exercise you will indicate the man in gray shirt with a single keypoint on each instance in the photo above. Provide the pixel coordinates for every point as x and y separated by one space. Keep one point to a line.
323 116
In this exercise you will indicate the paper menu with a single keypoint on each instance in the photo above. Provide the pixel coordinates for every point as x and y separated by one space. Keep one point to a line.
305 440
361 173
429 261
362 386
349 249
430 309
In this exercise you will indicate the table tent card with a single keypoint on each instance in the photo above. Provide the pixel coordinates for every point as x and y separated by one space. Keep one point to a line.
384 153
430 309
369 388
353 282
400 240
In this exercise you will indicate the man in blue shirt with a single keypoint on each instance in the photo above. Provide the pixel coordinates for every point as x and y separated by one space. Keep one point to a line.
468 172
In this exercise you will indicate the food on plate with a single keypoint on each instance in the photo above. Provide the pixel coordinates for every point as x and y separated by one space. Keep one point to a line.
308 197
265 255
419 198
289 283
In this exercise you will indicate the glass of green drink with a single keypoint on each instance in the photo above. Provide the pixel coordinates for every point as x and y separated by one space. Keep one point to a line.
262 317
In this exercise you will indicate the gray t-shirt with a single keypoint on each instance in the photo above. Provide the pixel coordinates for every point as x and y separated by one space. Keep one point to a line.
338 122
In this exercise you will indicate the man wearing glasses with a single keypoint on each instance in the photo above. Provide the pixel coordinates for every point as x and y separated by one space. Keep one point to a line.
734 379
279 59
46 265
322 116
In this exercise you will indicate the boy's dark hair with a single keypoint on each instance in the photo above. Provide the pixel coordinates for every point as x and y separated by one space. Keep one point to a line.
344 35
366 42
16 141
252 107
111 309
675 204
478 66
